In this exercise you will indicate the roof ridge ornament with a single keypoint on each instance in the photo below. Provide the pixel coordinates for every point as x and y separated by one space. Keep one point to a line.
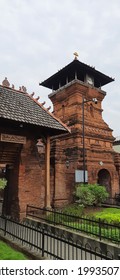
24 89
43 103
5 82
37 98
76 55
32 94
48 108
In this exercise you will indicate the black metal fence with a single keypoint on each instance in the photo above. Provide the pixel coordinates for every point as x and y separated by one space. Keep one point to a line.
1 204
48 244
91 226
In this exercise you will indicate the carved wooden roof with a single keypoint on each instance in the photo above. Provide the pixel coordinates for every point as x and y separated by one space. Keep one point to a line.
19 106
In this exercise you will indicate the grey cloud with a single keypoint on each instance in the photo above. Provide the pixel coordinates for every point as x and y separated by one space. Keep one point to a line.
39 37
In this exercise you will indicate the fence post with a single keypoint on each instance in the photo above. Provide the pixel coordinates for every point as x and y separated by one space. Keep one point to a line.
5 226
99 228
26 209
43 242
54 218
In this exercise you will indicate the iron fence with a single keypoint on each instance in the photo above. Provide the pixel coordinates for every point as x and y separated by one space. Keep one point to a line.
1 204
96 227
48 244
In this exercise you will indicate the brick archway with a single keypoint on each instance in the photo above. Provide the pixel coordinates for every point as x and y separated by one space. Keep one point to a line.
104 179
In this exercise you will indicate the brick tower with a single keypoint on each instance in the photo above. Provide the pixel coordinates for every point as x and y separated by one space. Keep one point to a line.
85 155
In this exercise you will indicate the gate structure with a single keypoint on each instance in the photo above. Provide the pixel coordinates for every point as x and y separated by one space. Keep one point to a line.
23 121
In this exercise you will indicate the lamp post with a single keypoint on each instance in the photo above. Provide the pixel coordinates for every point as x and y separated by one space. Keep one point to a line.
94 100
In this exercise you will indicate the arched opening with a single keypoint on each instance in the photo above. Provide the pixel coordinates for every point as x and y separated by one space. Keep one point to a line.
104 179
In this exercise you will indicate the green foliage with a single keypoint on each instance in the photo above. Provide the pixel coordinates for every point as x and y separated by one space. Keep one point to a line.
91 194
92 229
84 194
74 209
110 215
54 218
3 183
63 216
99 193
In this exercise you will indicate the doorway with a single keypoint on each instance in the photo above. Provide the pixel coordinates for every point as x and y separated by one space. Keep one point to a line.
104 179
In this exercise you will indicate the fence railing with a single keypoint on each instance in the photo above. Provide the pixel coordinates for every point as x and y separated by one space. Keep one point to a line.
96 227
48 244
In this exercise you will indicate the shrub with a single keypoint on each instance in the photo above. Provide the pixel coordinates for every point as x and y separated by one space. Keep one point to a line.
59 217
91 194
3 183
84 195
99 193
74 209
54 218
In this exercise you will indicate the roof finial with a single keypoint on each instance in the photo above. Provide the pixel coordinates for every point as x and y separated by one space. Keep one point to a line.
76 55
6 82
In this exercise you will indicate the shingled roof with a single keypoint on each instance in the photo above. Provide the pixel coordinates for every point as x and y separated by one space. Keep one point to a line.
21 107
81 69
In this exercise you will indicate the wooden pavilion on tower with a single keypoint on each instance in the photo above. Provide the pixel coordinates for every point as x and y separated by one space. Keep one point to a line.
88 150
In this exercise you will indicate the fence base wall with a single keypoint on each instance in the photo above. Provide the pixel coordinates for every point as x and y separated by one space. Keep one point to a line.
83 238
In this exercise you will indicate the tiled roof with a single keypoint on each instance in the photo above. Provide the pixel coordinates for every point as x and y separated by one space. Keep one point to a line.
20 106
80 69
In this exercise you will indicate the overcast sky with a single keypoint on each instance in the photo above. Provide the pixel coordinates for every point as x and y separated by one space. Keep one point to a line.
39 37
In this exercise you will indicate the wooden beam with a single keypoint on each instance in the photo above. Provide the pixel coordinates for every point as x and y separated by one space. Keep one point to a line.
47 173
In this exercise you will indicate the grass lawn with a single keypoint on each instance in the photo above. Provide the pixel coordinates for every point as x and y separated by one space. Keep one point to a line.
110 215
7 253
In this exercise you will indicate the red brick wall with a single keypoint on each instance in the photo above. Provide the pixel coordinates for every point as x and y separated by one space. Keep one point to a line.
98 140
26 182
31 185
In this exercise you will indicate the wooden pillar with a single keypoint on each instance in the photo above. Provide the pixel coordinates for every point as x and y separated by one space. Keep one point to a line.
47 173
